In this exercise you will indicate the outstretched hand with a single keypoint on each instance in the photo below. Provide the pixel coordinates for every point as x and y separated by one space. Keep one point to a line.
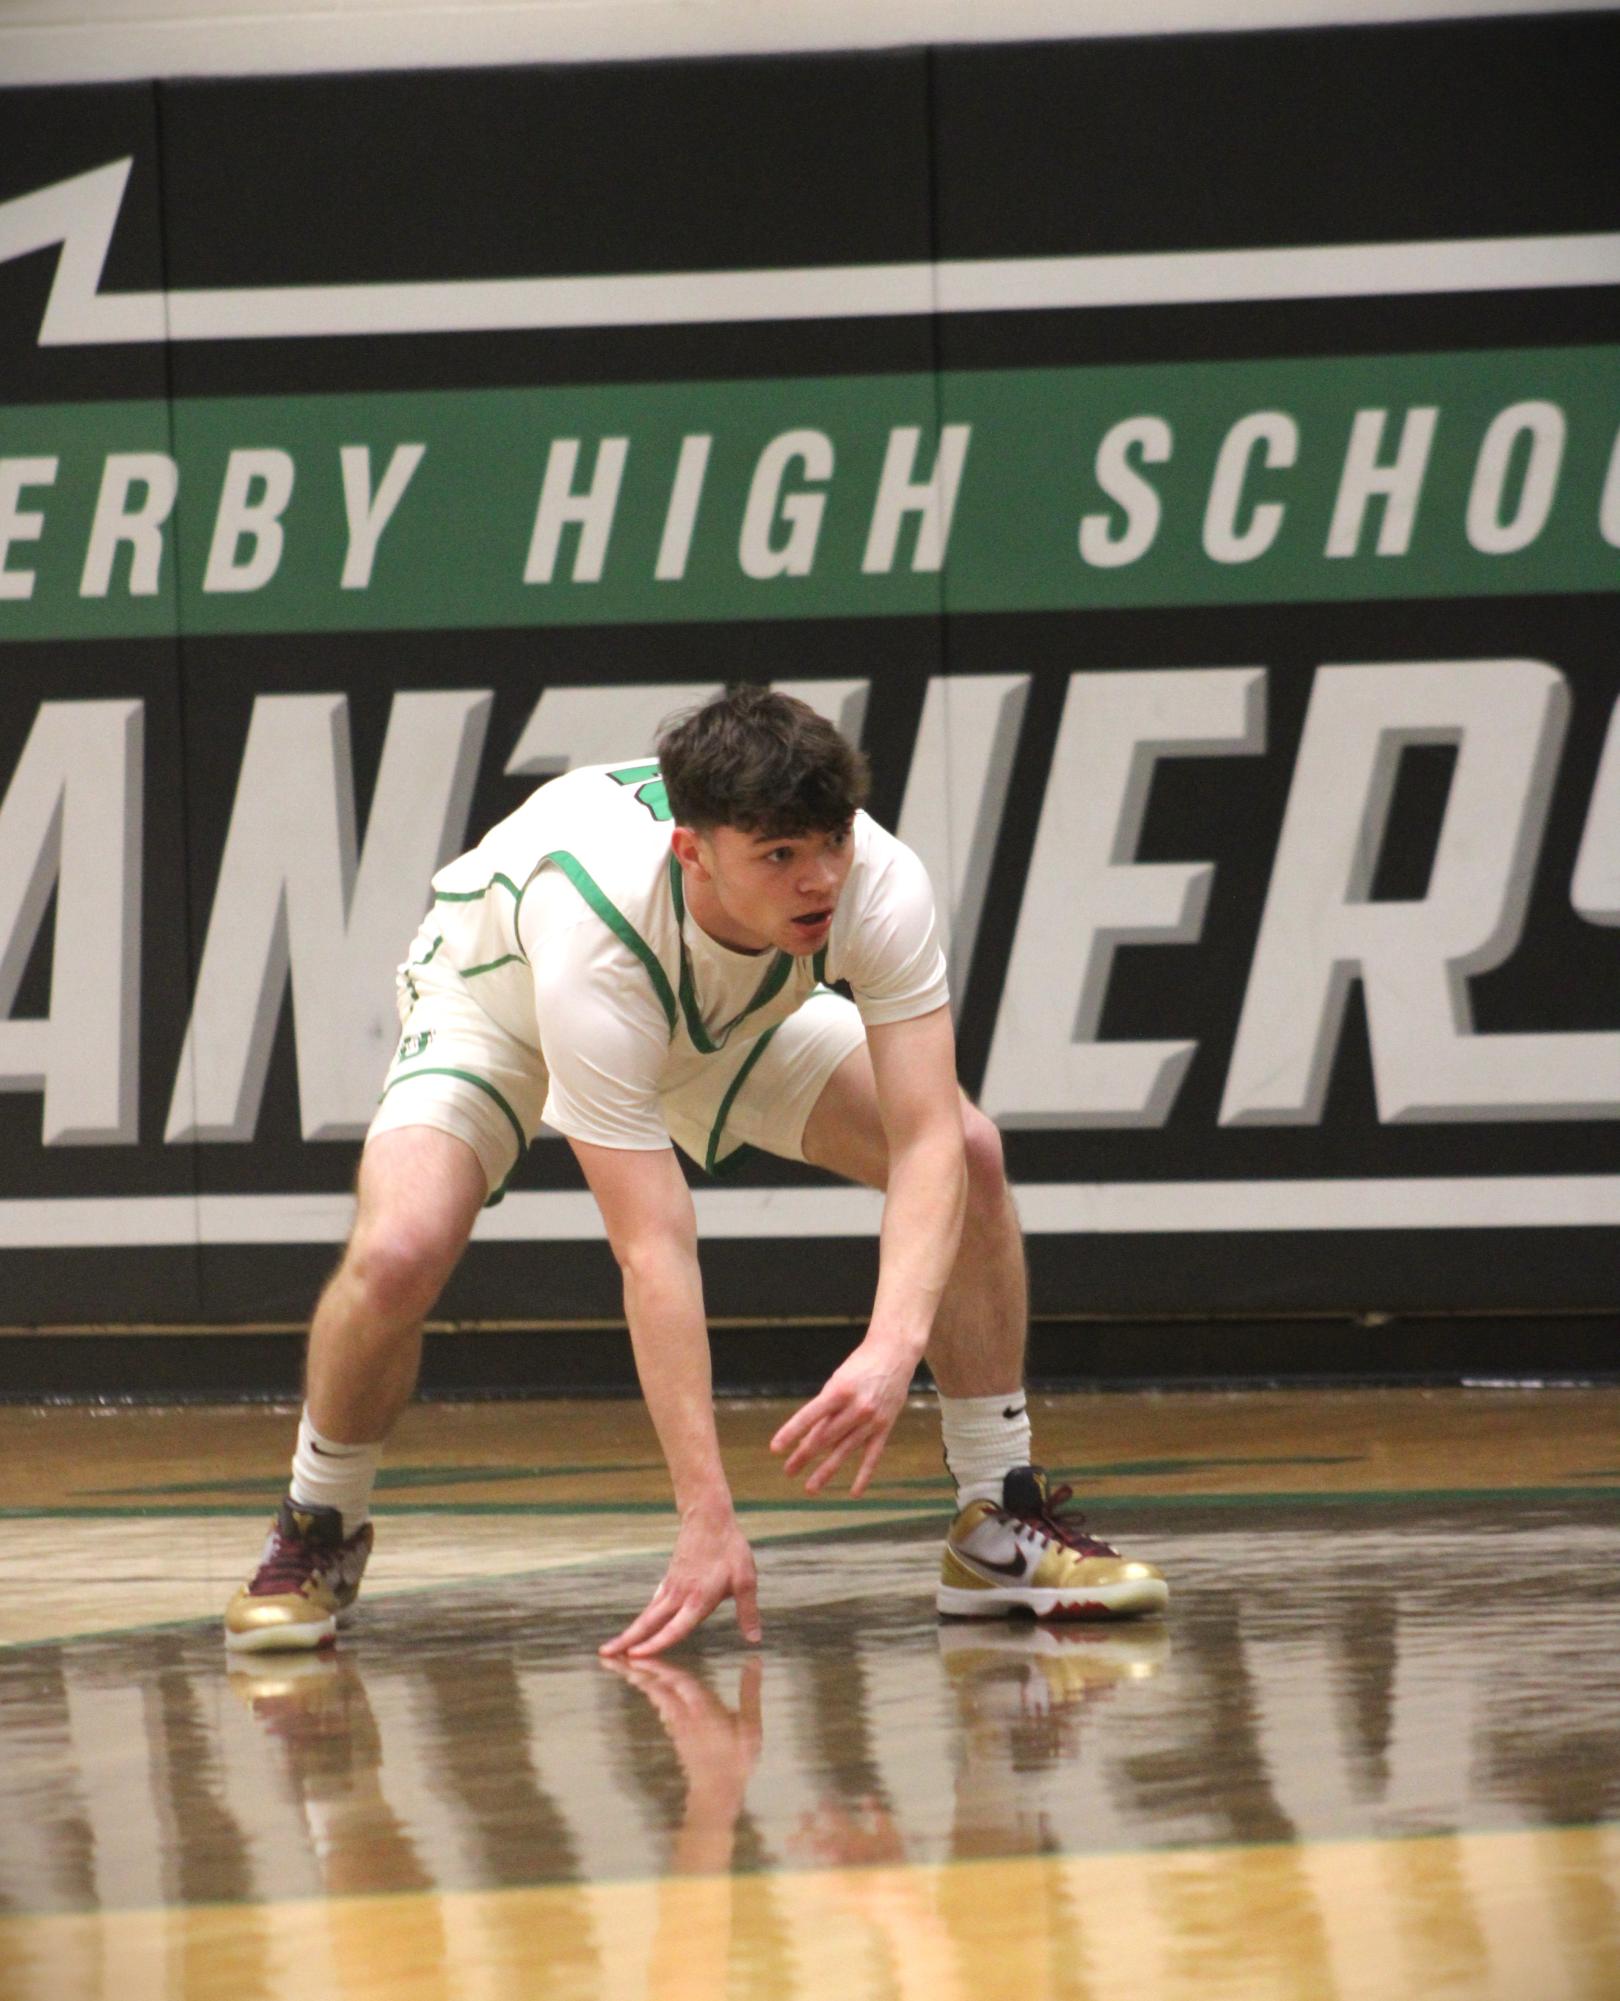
711 1563
854 1412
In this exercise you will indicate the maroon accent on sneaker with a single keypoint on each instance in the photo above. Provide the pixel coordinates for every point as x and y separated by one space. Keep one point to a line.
1065 1529
297 1549
286 1568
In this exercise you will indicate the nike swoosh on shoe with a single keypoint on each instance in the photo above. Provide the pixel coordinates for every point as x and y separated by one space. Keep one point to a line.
1016 1568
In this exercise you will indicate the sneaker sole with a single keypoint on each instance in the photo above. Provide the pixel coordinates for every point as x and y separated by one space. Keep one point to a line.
296 1638
1100 1601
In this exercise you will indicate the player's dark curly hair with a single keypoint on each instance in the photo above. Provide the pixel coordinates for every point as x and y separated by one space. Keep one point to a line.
761 761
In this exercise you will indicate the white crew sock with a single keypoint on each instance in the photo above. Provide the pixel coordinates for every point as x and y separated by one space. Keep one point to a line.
328 1475
985 1437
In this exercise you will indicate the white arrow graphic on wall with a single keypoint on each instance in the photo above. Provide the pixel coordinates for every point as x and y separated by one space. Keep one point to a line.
81 214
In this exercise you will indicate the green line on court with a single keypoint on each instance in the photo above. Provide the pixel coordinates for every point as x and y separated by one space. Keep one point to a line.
393 1476
1130 1469
1359 1497
473 1581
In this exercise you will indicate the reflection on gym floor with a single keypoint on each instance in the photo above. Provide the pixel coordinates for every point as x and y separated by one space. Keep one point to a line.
1372 1751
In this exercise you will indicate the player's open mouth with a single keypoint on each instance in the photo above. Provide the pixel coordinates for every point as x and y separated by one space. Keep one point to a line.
814 920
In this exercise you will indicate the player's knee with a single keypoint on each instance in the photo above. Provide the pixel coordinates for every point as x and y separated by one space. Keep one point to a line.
986 1164
401 1266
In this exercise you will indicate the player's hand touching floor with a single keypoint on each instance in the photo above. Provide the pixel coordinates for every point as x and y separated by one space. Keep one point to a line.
711 1563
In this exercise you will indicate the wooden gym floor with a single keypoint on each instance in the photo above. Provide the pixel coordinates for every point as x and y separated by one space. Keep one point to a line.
1372 1751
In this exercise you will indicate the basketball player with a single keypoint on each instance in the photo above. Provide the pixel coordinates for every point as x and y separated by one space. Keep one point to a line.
640 955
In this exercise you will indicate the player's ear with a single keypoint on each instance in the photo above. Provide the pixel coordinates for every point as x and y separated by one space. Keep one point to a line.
684 845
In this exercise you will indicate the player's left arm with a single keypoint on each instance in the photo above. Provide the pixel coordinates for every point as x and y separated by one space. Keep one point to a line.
914 1067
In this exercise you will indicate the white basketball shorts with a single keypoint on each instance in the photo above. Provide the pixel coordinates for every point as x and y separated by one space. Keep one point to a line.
459 1071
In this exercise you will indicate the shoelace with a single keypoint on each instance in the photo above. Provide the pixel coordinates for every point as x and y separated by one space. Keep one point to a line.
1065 1530
287 1563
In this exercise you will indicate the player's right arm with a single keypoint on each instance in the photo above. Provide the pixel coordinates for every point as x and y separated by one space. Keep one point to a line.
647 1209
605 1041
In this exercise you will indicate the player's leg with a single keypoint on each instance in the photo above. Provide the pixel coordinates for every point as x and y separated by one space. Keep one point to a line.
806 1092
976 1349
811 1095
456 1113
418 1196
419 1193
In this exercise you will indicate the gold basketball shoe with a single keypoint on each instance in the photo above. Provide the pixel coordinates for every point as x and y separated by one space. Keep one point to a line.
307 1579
1024 1556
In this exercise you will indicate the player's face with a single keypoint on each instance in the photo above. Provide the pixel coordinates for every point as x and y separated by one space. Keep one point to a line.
753 891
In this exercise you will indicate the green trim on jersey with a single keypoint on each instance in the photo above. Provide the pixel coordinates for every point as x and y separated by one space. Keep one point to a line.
483 1084
405 970
476 895
775 979
617 923
711 1163
462 972
506 959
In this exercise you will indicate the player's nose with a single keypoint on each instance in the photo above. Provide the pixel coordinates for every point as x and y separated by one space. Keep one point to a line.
820 878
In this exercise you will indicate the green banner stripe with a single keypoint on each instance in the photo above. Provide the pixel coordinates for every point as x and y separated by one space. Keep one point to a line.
1334 478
